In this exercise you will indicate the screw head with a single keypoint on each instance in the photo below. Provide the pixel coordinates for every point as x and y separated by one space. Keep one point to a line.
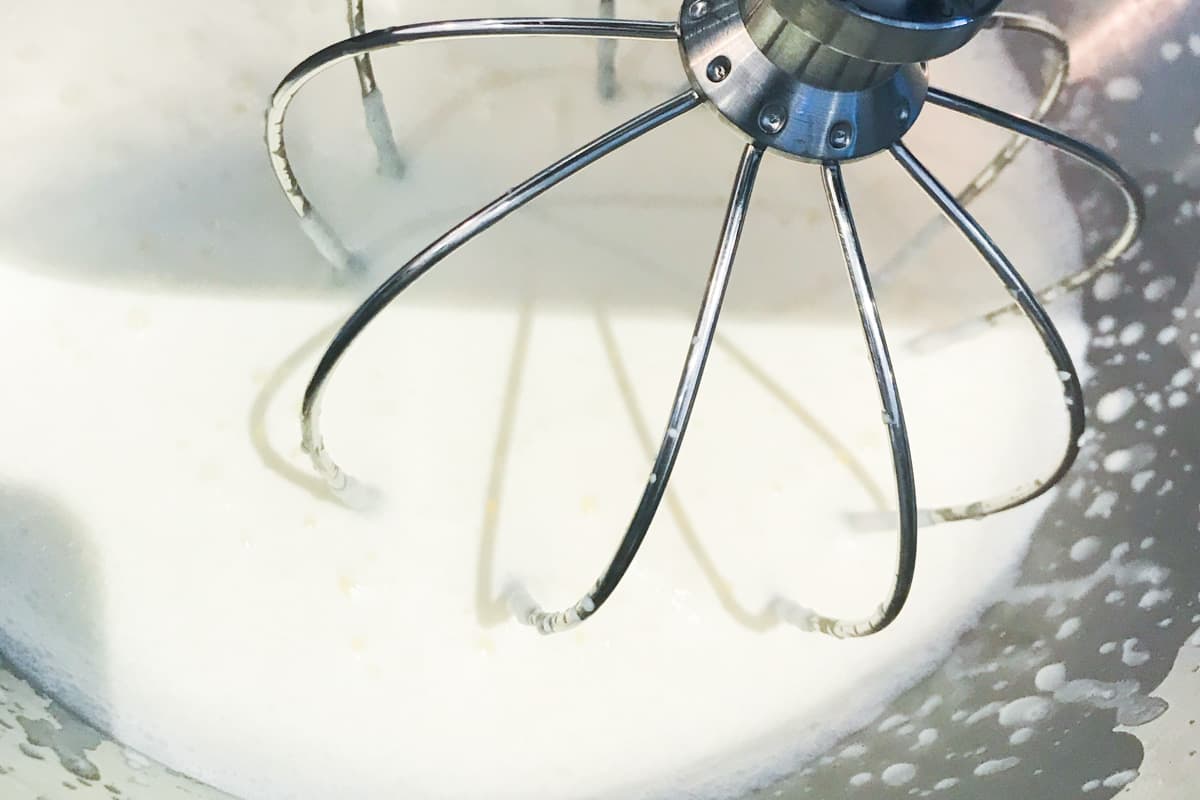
841 135
718 69
772 119
903 112
698 9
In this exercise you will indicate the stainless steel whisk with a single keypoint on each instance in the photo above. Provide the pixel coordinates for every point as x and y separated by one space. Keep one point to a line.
819 81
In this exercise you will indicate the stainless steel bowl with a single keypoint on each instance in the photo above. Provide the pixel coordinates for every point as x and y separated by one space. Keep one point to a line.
1131 725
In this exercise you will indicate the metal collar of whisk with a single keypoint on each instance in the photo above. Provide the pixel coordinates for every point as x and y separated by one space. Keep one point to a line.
822 80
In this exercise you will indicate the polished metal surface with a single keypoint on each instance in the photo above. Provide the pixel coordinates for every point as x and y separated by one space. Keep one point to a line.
379 126
1053 37
324 238
775 109
887 31
1025 298
313 442
345 486
1055 79
797 52
1142 742
893 420
526 609
1025 301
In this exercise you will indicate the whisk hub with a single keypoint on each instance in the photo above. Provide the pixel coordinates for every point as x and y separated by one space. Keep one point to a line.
817 105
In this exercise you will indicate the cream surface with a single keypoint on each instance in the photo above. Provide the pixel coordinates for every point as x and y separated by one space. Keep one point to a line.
174 571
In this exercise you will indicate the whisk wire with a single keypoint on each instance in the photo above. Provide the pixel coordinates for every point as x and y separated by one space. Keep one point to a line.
1052 35
1094 157
456 237
1056 80
1033 310
681 410
319 231
702 33
893 418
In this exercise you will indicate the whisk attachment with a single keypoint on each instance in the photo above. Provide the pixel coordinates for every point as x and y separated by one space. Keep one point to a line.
817 81
1028 303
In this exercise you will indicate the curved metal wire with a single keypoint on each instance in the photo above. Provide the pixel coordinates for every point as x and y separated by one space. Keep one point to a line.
379 126
739 356
983 180
453 239
758 621
1093 157
893 418
1036 314
1054 36
548 622
312 223
359 49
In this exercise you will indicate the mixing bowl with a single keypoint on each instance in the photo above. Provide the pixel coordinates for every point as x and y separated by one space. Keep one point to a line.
1108 590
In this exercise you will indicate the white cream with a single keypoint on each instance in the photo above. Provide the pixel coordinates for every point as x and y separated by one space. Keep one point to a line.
172 567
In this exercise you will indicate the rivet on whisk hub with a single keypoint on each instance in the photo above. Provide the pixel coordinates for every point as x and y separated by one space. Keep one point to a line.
772 119
718 69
